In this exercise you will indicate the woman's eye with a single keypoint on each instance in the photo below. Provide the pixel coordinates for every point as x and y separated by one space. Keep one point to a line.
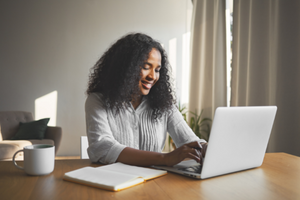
145 67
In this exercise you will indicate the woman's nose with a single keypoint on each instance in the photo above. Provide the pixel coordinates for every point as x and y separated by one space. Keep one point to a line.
152 74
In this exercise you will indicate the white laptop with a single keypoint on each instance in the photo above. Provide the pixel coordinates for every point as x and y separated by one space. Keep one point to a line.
238 141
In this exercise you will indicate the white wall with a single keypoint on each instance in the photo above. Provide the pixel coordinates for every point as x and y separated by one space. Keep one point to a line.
49 45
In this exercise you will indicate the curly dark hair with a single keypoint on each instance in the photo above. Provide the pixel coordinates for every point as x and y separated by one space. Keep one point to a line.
116 74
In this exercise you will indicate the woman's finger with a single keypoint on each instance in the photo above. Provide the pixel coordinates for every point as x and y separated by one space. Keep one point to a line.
201 159
203 150
195 145
196 154
192 150
192 156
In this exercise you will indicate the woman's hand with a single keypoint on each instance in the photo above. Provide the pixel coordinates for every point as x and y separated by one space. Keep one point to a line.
193 150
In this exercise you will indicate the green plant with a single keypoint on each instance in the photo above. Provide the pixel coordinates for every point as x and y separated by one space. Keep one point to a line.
200 126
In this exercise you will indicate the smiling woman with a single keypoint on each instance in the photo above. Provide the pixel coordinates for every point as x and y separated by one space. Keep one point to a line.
131 106
119 73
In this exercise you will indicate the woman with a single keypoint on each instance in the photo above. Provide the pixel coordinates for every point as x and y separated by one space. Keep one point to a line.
130 107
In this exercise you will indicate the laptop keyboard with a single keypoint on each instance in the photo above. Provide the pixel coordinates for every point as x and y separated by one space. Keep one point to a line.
195 169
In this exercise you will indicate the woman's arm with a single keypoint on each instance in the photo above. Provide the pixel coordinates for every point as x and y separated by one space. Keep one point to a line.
146 158
103 147
189 146
183 135
179 130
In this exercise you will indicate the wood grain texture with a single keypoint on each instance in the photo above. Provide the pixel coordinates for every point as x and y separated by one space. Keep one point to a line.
277 178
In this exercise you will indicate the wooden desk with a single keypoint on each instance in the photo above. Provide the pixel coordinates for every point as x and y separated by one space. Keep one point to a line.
277 178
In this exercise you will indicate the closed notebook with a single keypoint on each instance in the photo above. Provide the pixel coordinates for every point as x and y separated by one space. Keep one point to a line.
115 177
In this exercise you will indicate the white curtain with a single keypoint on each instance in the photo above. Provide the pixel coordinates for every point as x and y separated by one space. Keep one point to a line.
208 57
266 64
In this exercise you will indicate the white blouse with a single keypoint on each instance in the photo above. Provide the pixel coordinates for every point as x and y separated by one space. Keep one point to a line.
109 133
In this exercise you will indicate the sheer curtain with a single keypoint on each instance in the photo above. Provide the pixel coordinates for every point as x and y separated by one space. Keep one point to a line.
208 57
266 64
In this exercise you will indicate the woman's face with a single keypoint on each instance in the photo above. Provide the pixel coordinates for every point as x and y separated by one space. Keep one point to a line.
150 72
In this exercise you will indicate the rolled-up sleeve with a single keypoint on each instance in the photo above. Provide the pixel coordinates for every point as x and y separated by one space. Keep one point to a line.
102 145
179 130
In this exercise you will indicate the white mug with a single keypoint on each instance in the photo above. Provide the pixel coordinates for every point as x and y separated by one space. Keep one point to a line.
38 159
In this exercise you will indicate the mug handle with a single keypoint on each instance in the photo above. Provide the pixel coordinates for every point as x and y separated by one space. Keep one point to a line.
19 167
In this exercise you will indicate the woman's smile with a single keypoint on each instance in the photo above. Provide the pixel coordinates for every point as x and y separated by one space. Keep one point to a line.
147 85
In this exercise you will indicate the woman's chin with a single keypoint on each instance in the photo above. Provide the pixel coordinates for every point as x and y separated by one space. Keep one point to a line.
145 92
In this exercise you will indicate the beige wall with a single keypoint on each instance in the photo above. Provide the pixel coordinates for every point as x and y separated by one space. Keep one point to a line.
48 46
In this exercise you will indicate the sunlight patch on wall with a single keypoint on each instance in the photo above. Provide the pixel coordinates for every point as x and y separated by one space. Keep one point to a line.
46 107
185 75
172 55
228 17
